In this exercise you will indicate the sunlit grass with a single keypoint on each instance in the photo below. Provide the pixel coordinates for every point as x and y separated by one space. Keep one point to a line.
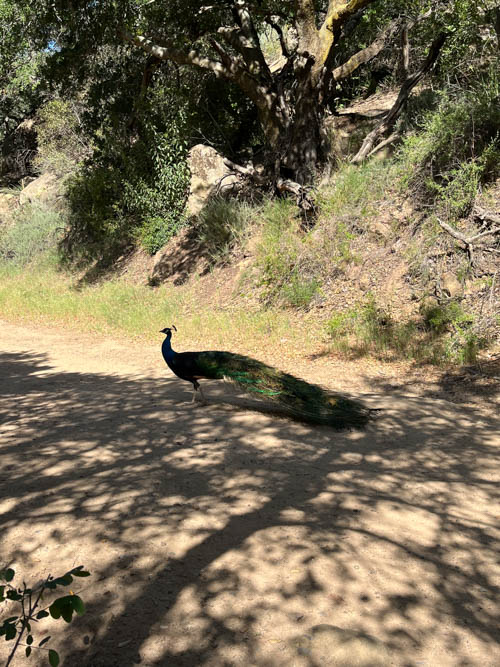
42 294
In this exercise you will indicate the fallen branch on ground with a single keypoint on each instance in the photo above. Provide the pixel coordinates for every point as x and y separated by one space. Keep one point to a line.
469 241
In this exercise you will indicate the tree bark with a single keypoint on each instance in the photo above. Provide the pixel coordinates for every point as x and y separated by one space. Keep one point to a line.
290 102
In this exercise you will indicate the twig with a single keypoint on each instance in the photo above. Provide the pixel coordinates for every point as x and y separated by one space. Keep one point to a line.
391 139
492 291
483 214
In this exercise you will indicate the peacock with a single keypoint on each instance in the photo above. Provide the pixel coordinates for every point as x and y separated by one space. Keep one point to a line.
300 399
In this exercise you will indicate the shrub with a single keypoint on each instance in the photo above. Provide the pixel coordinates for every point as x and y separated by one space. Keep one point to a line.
285 272
444 334
62 145
222 225
127 194
440 317
456 149
34 231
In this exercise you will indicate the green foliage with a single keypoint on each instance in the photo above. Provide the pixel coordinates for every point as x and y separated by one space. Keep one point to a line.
285 268
34 231
222 225
62 145
128 192
456 150
20 66
444 334
439 318
27 601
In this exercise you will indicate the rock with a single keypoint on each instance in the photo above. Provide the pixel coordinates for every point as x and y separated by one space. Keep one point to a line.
364 283
382 230
331 645
450 285
209 176
46 189
8 204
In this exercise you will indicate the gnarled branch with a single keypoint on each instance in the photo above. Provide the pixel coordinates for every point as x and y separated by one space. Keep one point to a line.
388 121
469 241
364 56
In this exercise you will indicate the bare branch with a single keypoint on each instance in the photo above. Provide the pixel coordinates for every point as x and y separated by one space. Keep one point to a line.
388 121
364 56
169 52
404 62
468 242
249 41
483 214
277 28
390 140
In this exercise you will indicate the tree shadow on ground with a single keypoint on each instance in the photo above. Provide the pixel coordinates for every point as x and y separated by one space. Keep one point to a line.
217 536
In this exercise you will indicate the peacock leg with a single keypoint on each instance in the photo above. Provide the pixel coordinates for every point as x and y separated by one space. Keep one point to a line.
203 399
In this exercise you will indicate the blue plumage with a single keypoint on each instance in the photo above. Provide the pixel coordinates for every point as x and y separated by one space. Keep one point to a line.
301 400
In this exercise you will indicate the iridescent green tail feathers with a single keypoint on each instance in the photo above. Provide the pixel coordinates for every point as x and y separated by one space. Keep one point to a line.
300 399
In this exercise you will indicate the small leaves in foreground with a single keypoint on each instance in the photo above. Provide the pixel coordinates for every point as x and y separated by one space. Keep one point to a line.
79 572
28 600
65 607
7 575
53 658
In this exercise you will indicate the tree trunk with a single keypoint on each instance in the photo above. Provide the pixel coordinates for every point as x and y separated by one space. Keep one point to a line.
304 143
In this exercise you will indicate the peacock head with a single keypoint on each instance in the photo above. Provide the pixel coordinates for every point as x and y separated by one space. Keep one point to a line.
168 330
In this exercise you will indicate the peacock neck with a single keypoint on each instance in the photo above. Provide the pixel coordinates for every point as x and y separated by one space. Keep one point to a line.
166 348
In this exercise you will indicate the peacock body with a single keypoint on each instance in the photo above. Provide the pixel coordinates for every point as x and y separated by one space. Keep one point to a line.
302 400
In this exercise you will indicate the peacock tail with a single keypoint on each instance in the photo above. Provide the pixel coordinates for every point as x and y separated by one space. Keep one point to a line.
303 400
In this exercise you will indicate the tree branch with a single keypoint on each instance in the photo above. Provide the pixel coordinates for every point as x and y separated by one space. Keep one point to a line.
277 28
169 52
249 41
364 56
483 214
231 68
338 12
470 241
388 121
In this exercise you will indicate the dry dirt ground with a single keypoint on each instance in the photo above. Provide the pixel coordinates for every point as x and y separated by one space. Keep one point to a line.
221 536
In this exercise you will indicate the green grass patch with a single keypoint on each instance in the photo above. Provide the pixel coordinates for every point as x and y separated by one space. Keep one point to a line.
40 293
444 334
355 191
223 225
34 231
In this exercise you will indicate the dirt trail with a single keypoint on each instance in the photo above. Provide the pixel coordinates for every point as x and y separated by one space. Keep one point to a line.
220 536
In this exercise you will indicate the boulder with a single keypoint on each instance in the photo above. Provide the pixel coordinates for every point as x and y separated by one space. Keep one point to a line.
43 190
450 285
8 204
209 177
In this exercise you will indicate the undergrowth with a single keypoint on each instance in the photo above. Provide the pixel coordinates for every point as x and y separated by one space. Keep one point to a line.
222 225
34 231
455 150
443 334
